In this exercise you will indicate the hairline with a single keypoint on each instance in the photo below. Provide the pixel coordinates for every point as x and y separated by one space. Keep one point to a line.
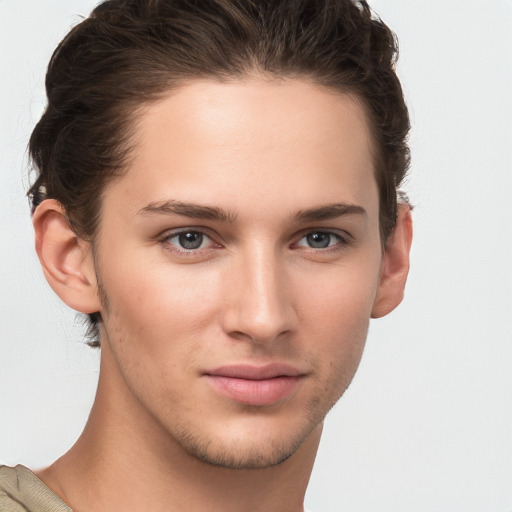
138 106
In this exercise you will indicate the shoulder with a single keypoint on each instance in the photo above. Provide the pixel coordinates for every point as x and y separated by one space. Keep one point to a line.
22 491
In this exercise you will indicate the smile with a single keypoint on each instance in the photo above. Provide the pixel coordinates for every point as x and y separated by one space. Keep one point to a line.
257 386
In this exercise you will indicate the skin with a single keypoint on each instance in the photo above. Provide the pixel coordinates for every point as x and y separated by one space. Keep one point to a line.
288 269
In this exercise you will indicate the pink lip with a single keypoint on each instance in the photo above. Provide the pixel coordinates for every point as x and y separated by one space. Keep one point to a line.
252 385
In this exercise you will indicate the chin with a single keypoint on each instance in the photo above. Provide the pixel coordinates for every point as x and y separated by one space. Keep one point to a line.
238 456
249 451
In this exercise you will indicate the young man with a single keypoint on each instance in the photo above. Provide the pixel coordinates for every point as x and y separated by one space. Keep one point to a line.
217 190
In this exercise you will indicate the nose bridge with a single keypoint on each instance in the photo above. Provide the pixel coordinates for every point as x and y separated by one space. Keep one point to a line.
260 308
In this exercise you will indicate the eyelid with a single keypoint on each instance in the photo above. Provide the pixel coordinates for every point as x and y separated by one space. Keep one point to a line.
171 233
344 238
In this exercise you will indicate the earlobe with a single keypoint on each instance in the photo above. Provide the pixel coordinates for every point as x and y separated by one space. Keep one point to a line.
395 265
66 259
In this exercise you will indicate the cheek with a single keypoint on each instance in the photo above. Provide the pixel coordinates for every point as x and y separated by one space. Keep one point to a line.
342 297
155 305
336 313
155 328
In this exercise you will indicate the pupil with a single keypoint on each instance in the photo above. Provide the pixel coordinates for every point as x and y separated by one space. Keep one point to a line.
319 240
191 240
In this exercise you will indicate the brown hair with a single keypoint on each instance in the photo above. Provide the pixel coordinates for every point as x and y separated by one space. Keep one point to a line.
129 53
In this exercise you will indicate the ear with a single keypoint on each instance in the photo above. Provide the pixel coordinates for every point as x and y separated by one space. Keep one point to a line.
66 259
395 265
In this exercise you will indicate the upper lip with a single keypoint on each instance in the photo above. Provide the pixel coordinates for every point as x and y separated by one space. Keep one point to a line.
251 372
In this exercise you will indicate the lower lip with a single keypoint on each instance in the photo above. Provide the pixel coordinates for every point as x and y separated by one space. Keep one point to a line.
255 392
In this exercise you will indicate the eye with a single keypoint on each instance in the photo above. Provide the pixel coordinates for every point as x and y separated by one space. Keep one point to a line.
189 240
321 240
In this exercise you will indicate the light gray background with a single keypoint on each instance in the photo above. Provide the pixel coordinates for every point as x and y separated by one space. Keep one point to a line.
427 423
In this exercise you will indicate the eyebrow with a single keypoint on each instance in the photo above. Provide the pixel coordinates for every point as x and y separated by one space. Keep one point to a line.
192 210
198 211
329 212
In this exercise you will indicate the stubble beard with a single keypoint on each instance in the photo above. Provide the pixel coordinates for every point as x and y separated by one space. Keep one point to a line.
242 454
239 454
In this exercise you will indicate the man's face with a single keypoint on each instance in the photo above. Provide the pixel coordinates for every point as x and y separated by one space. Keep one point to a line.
240 258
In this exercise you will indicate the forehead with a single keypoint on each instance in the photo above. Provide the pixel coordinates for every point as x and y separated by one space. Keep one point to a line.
286 143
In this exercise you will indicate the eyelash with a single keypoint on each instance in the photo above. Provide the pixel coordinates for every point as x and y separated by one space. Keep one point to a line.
166 241
342 241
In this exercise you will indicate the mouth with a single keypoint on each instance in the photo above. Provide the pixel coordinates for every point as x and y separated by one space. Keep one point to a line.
255 385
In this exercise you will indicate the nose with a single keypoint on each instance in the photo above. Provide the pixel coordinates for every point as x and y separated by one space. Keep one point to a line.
259 298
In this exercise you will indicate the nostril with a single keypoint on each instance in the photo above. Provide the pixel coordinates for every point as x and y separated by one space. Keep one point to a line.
259 306
261 337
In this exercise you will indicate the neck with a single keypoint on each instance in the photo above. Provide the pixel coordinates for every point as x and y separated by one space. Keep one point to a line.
124 460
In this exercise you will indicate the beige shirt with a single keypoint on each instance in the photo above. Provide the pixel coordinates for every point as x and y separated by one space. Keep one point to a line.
22 491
